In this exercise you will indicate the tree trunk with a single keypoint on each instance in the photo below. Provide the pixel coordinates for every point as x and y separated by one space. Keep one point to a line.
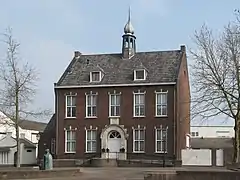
18 163
18 147
236 157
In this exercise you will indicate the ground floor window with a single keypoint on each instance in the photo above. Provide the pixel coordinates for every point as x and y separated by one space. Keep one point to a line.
138 140
161 140
91 140
70 141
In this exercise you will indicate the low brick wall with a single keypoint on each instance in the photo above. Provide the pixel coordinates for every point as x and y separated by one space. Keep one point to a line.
64 163
34 173
193 175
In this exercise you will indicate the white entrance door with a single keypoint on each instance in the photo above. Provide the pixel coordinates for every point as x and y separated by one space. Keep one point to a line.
114 144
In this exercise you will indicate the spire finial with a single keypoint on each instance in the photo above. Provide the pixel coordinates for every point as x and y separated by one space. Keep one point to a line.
129 14
128 29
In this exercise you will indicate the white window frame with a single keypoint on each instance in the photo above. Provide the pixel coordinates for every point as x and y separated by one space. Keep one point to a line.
161 104
138 140
135 75
71 141
100 76
91 95
134 105
161 129
70 95
115 106
91 141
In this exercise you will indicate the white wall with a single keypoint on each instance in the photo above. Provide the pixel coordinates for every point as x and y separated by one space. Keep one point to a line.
9 156
28 157
212 131
196 157
31 135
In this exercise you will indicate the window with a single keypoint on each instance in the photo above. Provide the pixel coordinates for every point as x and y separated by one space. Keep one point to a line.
139 104
53 145
91 140
91 105
95 76
71 106
161 140
114 105
138 140
161 103
70 141
34 137
194 134
140 74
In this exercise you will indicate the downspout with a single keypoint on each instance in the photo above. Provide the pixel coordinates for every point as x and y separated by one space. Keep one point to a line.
174 122
57 114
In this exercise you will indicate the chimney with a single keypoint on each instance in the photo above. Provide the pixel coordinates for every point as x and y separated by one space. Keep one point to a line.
183 48
9 134
22 135
77 54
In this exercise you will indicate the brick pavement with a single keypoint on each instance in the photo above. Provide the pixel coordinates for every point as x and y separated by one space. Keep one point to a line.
114 173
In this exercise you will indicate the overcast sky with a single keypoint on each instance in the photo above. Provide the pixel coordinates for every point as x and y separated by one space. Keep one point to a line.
51 30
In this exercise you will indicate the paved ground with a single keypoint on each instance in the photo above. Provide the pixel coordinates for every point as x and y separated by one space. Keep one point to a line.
123 173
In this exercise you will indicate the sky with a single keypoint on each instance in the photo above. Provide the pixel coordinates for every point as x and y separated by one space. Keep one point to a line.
49 31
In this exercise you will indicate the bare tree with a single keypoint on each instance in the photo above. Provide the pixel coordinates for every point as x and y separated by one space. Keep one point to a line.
18 87
216 76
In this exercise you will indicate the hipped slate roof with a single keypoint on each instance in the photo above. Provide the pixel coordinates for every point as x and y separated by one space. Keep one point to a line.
161 67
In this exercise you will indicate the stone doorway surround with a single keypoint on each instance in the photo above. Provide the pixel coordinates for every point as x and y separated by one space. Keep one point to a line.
105 137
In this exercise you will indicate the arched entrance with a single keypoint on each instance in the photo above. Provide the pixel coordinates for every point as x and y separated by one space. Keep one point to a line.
114 144
114 138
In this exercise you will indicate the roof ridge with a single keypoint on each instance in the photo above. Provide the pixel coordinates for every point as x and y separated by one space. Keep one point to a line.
138 52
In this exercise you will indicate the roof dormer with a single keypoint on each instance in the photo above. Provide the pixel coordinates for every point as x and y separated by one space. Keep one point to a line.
96 76
140 74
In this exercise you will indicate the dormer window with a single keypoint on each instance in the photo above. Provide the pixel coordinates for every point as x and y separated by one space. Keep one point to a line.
95 76
140 74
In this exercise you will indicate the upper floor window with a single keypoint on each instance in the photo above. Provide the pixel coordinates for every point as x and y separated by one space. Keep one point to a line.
91 105
140 74
71 105
161 140
70 141
114 105
138 104
161 103
95 76
91 140
139 140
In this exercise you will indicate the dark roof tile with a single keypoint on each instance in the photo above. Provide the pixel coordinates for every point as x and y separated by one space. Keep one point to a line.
162 67
32 125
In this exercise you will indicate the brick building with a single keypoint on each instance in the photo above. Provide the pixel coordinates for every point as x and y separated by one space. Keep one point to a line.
123 105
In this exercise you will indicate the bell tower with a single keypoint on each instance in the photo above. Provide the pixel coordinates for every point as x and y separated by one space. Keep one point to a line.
129 39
